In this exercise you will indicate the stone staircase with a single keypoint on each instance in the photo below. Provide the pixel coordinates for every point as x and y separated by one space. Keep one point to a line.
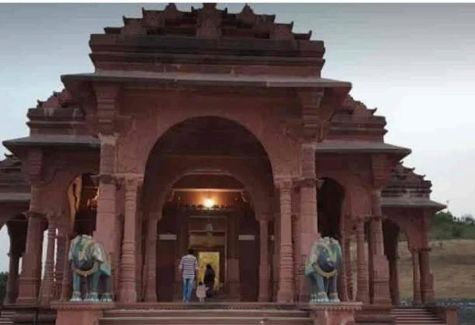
6 317
195 315
415 316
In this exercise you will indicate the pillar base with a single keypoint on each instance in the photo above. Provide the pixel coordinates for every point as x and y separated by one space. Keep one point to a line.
332 313
80 313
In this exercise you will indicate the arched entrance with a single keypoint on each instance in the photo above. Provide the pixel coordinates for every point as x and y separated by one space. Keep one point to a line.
207 182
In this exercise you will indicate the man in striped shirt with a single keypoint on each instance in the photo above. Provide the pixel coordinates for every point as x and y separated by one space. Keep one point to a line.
188 268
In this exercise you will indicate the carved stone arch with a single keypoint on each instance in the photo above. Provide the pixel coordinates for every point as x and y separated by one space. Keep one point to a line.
260 194
281 148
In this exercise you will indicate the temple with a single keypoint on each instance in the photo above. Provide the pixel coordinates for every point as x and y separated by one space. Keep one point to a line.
216 131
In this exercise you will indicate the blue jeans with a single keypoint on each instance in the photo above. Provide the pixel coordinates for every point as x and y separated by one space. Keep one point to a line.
187 289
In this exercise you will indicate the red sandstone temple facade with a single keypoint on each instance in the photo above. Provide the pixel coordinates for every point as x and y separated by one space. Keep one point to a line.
211 130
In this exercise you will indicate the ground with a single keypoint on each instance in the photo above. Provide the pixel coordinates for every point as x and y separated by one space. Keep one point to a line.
453 266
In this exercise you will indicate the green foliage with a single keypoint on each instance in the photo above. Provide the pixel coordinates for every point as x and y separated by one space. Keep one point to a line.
3 285
447 226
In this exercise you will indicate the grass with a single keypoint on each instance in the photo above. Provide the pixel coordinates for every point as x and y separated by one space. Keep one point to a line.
452 264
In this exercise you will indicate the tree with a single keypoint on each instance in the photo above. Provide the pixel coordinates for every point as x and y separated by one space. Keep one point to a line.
3 285
444 217
468 219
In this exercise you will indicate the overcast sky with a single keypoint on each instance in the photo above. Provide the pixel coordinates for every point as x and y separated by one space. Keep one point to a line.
414 62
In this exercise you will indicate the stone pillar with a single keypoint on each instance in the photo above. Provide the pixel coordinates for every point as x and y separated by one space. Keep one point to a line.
59 266
12 290
30 278
362 267
308 214
415 278
394 279
232 269
379 269
348 270
298 265
128 292
286 290
66 284
47 292
427 290
106 205
264 268
106 219
151 257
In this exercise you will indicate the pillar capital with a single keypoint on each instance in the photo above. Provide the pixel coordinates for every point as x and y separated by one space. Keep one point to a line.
284 183
108 139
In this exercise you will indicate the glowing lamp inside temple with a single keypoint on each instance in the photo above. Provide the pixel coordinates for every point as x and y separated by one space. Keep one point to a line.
208 203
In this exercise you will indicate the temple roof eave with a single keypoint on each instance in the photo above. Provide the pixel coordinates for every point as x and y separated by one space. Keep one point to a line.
17 146
351 147
411 203
205 79
14 197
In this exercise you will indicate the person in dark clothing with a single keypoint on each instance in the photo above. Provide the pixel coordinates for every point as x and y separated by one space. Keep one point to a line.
209 281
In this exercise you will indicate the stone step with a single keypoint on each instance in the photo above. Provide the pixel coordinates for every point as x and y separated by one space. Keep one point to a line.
178 320
205 313
415 316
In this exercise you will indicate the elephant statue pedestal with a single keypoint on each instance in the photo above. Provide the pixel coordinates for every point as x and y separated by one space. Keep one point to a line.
332 313
80 313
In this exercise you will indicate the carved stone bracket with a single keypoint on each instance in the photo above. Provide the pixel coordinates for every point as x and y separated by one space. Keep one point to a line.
107 106
315 119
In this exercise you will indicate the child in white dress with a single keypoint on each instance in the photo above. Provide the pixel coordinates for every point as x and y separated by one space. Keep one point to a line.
201 292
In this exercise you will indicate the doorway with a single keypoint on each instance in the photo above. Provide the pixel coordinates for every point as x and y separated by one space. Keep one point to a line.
213 259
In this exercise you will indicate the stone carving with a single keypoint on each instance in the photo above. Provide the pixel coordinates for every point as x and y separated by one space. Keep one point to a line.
323 264
89 261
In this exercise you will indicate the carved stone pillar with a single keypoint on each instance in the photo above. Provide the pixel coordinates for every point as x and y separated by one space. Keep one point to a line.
66 284
286 290
264 268
59 265
415 278
427 289
348 270
151 257
394 279
106 205
30 278
308 219
12 290
47 292
128 292
233 274
362 267
379 268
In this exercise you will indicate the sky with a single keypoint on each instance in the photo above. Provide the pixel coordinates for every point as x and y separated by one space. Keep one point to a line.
415 63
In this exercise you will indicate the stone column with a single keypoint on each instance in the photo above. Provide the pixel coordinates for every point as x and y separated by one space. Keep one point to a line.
128 292
427 290
264 269
348 270
415 278
106 205
65 286
233 269
286 290
12 292
59 266
394 279
380 269
47 292
151 256
30 278
308 214
362 267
